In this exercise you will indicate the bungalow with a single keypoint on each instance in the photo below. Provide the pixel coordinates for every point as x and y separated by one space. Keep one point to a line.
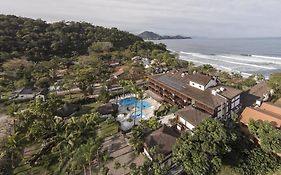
266 112
23 94
29 94
108 109
68 109
189 118
163 140
259 93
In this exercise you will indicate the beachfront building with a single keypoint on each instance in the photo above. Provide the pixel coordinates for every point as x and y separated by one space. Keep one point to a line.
202 92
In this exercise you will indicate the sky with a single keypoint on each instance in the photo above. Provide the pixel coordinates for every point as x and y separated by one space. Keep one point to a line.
201 18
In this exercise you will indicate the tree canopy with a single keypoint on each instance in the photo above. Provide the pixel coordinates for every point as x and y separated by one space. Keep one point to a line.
202 152
274 82
38 40
269 136
65 145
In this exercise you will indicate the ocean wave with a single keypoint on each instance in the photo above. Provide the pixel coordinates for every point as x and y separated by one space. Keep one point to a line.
267 57
238 60
219 67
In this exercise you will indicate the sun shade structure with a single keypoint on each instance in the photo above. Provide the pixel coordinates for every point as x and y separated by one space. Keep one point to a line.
109 108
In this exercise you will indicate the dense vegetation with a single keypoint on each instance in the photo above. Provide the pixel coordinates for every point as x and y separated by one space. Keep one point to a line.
38 40
77 55
269 136
274 83
214 144
62 145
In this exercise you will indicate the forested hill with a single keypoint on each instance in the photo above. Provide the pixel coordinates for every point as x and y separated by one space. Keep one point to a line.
38 40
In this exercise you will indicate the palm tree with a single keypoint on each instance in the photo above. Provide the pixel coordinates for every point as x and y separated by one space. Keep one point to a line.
139 92
141 97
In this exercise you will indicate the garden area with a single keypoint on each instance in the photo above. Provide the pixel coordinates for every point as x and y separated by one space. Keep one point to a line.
108 127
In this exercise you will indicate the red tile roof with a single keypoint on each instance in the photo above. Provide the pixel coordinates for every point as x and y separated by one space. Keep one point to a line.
267 112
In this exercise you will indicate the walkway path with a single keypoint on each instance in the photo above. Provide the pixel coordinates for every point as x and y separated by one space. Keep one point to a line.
5 125
121 152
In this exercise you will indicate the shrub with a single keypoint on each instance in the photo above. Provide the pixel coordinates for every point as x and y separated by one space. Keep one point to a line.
117 165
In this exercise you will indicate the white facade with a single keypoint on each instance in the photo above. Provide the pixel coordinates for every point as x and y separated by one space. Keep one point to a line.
235 102
196 85
211 83
25 96
186 123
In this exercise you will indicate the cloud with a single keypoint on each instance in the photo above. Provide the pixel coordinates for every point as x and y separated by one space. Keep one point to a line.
213 18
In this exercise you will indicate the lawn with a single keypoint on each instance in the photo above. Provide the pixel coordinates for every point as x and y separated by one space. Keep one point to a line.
108 128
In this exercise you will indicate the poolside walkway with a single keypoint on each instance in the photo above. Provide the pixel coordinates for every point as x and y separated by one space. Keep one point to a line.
166 119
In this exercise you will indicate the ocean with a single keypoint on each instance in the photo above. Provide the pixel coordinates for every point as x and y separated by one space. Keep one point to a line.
245 56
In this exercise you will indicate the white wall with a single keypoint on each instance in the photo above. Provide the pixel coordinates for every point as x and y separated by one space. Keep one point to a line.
196 85
186 123
25 96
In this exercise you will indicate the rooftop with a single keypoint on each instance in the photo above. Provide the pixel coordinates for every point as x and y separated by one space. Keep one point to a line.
260 89
200 78
68 109
109 108
164 138
271 107
192 115
267 112
180 83
27 91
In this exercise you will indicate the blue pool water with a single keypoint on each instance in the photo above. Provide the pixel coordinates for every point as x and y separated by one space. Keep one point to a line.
132 101
136 115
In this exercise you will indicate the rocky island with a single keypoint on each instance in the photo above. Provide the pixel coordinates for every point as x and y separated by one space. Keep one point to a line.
147 35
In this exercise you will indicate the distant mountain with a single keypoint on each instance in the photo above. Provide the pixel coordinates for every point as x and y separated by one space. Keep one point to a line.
147 35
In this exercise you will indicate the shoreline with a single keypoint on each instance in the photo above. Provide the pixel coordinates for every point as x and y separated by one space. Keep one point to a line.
258 64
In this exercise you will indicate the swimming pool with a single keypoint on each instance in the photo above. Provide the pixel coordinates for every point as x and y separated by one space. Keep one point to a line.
133 101
136 115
